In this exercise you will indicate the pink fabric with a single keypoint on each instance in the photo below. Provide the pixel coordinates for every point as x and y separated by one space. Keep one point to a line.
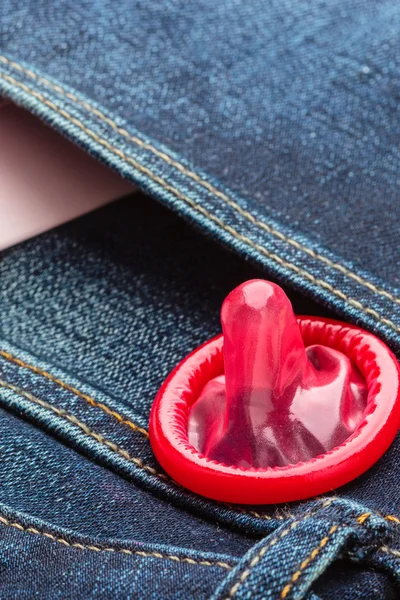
45 180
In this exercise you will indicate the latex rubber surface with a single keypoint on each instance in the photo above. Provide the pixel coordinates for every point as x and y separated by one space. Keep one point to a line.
286 441
277 403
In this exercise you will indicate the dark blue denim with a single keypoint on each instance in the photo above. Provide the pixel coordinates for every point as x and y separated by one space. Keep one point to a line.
271 127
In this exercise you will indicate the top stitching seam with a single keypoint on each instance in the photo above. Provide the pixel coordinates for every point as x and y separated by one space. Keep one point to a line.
233 232
245 574
256 559
64 542
74 391
309 559
203 182
64 385
87 430
314 553
137 461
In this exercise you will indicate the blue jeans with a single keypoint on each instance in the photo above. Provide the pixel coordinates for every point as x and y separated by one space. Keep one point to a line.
272 129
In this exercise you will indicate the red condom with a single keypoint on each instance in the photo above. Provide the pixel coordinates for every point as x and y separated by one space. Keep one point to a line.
279 408
277 403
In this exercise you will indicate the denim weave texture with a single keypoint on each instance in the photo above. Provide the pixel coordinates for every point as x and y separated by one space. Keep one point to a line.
274 126
273 129
110 312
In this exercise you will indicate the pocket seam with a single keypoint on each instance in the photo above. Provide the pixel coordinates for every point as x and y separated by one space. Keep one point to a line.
87 430
203 182
63 541
92 402
320 283
74 391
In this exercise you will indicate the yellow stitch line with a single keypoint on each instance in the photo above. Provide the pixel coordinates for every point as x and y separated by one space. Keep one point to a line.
139 142
307 561
61 541
258 515
98 437
39 371
75 391
362 518
286 264
271 543
159 555
212 217
392 518
85 428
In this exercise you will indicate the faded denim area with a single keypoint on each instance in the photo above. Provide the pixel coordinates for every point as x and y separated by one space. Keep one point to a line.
274 125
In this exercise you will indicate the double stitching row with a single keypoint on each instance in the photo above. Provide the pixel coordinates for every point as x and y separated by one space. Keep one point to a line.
204 183
307 561
64 542
106 409
75 391
72 419
312 556
111 445
227 228
191 561
138 462
124 421
256 559
314 553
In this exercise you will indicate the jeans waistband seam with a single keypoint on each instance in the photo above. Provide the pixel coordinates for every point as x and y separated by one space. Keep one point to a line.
85 428
115 447
122 420
91 401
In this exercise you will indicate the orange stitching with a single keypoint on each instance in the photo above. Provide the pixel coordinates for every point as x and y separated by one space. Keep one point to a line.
203 182
191 561
114 447
256 559
286 264
138 462
104 407
97 436
75 391
308 560
362 518
256 514
392 518
122 420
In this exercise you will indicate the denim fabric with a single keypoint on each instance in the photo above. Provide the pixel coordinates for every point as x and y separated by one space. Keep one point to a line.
271 127
274 127
110 312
